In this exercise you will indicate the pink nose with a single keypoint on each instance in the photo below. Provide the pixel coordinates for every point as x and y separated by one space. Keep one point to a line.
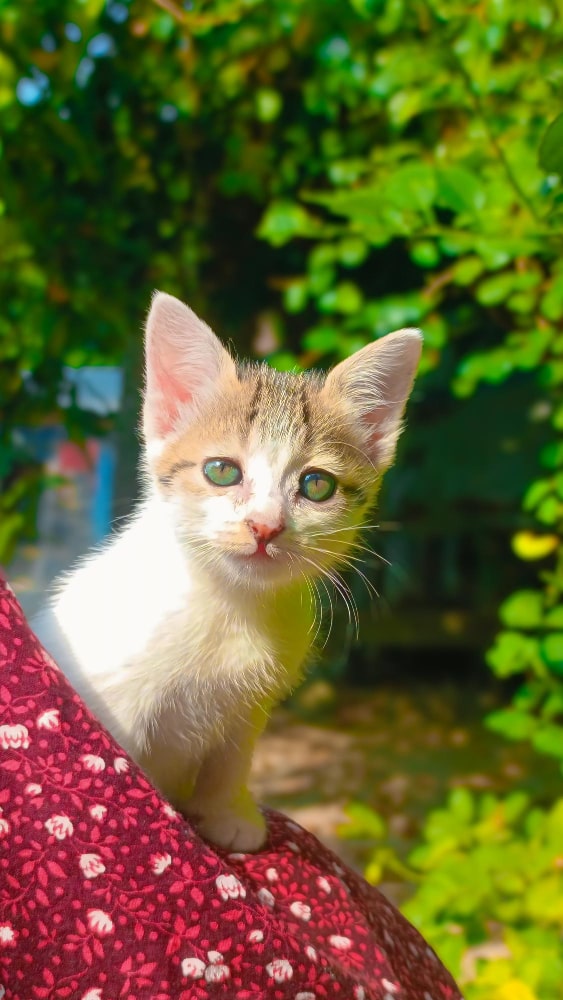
265 532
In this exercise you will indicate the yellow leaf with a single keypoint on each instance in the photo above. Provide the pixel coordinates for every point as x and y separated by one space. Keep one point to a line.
514 989
527 545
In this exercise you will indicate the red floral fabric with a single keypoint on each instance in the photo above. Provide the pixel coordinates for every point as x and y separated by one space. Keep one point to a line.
107 893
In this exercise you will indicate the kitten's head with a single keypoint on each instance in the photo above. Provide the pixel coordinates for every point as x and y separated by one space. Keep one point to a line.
268 475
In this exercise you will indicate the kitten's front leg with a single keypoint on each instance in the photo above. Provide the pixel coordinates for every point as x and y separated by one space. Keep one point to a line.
221 805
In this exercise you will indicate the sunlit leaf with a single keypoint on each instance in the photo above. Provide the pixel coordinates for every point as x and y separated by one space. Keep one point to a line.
551 147
529 545
523 609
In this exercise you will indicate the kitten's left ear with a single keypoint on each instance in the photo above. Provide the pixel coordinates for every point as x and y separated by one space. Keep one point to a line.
184 362
376 383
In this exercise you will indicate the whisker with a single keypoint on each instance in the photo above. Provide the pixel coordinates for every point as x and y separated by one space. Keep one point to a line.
349 562
340 585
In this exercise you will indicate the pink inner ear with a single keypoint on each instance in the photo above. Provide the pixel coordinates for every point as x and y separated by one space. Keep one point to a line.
166 395
184 361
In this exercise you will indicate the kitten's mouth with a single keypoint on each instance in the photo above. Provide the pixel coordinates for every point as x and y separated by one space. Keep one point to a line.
264 552
260 552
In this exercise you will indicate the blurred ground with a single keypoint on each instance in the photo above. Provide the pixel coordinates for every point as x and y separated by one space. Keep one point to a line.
399 749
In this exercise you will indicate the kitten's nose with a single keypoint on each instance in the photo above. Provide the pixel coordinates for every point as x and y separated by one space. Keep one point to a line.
265 532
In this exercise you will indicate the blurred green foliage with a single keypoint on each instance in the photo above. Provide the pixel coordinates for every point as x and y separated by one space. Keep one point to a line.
310 174
488 891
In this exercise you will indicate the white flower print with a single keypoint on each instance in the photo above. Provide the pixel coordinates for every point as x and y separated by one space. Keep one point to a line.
280 970
340 941
304 996
272 874
169 810
359 993
255 936
324 884
2 992
4 826
95 994
7 934
91 865
193 968
98 812
100 922
216 973
93 762
160 862
214 957
266 898
50 719
311 953
229 887
301 910
390 987
14 737
33 789
120 765
59 827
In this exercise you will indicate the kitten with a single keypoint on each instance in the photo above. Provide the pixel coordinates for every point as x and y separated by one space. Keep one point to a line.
185 629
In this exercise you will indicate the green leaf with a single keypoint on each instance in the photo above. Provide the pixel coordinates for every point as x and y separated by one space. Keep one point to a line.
551 147
552 455
512 653
283 221
268 104
352 251
549 739
511 723
550 510
364 822
552 651
344 298
295 296
425 253
524 609
324 339
459 189
462 804
551 305
536 492
467 270
494 290
412 187
554 618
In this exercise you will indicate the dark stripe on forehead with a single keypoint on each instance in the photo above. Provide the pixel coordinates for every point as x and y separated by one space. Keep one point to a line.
174 469
254 405
305 403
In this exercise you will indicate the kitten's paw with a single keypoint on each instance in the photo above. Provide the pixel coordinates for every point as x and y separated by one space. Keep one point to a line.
232 831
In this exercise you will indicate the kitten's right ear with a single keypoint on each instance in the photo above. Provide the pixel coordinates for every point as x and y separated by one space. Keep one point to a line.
184 360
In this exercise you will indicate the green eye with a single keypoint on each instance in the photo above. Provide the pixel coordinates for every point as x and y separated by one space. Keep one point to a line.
222 472
317 485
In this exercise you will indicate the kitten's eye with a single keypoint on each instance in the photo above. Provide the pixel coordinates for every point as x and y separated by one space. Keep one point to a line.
222 472
317 485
